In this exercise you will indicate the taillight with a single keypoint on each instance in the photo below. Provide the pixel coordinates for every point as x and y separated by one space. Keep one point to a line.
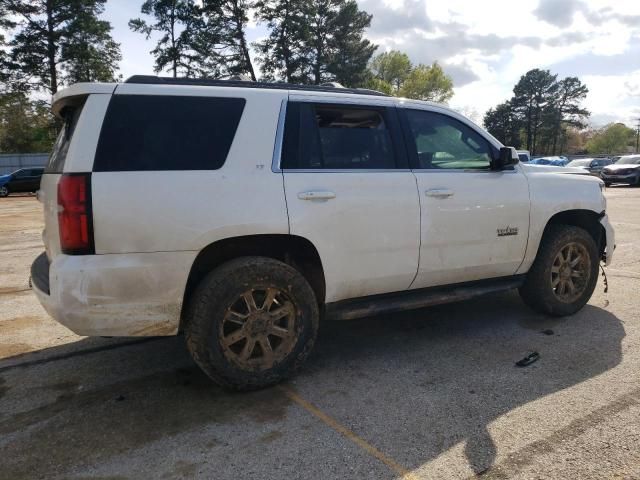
75 220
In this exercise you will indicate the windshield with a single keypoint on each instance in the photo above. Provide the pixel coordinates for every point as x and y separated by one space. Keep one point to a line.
579 163
629 161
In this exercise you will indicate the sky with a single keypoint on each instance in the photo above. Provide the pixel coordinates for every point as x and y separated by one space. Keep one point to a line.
485 45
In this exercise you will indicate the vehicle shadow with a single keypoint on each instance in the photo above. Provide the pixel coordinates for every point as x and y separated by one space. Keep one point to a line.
413 384
446 373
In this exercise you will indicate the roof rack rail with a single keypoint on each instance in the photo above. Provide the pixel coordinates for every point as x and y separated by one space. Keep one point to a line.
154 80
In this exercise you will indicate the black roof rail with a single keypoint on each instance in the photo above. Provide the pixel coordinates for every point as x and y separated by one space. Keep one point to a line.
154 80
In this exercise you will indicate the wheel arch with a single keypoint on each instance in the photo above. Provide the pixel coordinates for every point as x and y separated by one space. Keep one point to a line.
586 219
293 250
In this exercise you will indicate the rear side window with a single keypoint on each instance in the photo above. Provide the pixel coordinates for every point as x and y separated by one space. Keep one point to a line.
58 156
145 132
338 137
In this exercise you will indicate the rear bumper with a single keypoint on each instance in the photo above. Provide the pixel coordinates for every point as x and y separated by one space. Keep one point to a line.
137 294
611 239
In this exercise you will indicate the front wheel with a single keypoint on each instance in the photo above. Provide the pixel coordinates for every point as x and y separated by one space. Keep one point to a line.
564 273
251 323
4 191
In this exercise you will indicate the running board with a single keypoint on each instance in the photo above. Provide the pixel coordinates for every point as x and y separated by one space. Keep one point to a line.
413 299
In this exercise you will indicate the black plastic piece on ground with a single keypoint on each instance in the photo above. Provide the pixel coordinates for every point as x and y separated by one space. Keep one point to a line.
528 360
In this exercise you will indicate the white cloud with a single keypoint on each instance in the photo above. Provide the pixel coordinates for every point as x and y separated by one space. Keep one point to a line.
486 46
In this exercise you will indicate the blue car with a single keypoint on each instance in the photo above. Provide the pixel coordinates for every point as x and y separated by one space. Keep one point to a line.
23 180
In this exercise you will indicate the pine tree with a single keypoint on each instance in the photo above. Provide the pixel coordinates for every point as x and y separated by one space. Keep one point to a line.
177 22
282 53
226 22
60 41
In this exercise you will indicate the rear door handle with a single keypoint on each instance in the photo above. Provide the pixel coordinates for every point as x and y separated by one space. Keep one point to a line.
439 192
316 195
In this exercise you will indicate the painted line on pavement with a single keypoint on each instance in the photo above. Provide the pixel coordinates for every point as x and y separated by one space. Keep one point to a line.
338 427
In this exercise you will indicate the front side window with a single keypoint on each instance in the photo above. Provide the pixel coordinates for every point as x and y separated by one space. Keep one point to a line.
335 137
442 142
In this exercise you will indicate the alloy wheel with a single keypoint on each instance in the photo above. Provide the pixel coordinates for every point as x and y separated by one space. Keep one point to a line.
258 329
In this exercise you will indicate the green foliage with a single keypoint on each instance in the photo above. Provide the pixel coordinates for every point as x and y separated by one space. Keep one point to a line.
226 22
503 123
392 72
196 40
375 83
58 42
175 21
613 138
428 83
284 53
392 67
26 126
315 41
540 114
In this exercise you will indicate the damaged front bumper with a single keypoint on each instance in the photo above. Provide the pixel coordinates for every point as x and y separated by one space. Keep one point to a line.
607 256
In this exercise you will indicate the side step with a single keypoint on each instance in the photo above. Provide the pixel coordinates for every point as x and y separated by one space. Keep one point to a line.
413 299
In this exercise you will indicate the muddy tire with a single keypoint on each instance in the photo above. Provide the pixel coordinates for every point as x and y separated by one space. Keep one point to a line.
564 274
251 323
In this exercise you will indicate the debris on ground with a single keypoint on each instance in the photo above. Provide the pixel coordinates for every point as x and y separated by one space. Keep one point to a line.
528 360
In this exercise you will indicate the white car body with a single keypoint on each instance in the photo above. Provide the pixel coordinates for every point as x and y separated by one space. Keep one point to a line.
375 232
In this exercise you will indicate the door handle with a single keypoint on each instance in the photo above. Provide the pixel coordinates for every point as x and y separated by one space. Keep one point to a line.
439 192
316 195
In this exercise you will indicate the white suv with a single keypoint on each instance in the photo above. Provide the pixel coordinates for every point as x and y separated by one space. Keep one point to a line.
243 213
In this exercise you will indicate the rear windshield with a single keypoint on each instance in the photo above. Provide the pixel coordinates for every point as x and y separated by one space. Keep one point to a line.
153 132
58 156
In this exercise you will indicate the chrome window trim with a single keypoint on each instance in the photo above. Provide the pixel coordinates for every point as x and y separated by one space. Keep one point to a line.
346 170
277 146
460 170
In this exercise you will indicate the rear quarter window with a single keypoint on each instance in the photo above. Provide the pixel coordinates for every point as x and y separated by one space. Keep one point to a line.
58 155
145 132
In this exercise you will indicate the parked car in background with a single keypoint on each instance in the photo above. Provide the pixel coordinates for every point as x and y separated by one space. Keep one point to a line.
593 165
625 170
23 180
524 156
556 161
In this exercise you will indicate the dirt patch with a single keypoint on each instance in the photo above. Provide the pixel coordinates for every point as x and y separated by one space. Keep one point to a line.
20 323
127 415
14 290
12 349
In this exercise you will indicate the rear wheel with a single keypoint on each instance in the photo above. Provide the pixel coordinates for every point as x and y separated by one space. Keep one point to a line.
4 191
251 323
565 272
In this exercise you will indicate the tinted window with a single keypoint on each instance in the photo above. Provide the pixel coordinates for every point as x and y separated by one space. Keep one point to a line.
442 142
337 137
144 132
58 156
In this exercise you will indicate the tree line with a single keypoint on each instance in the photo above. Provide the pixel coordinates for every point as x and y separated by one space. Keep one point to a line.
54 43
540 113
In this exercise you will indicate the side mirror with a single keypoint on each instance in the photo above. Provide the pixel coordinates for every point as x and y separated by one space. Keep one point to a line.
508 157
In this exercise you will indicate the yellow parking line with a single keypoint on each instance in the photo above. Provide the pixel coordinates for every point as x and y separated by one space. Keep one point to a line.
366 446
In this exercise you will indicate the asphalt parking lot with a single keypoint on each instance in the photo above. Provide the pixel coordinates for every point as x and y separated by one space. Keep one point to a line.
432 393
